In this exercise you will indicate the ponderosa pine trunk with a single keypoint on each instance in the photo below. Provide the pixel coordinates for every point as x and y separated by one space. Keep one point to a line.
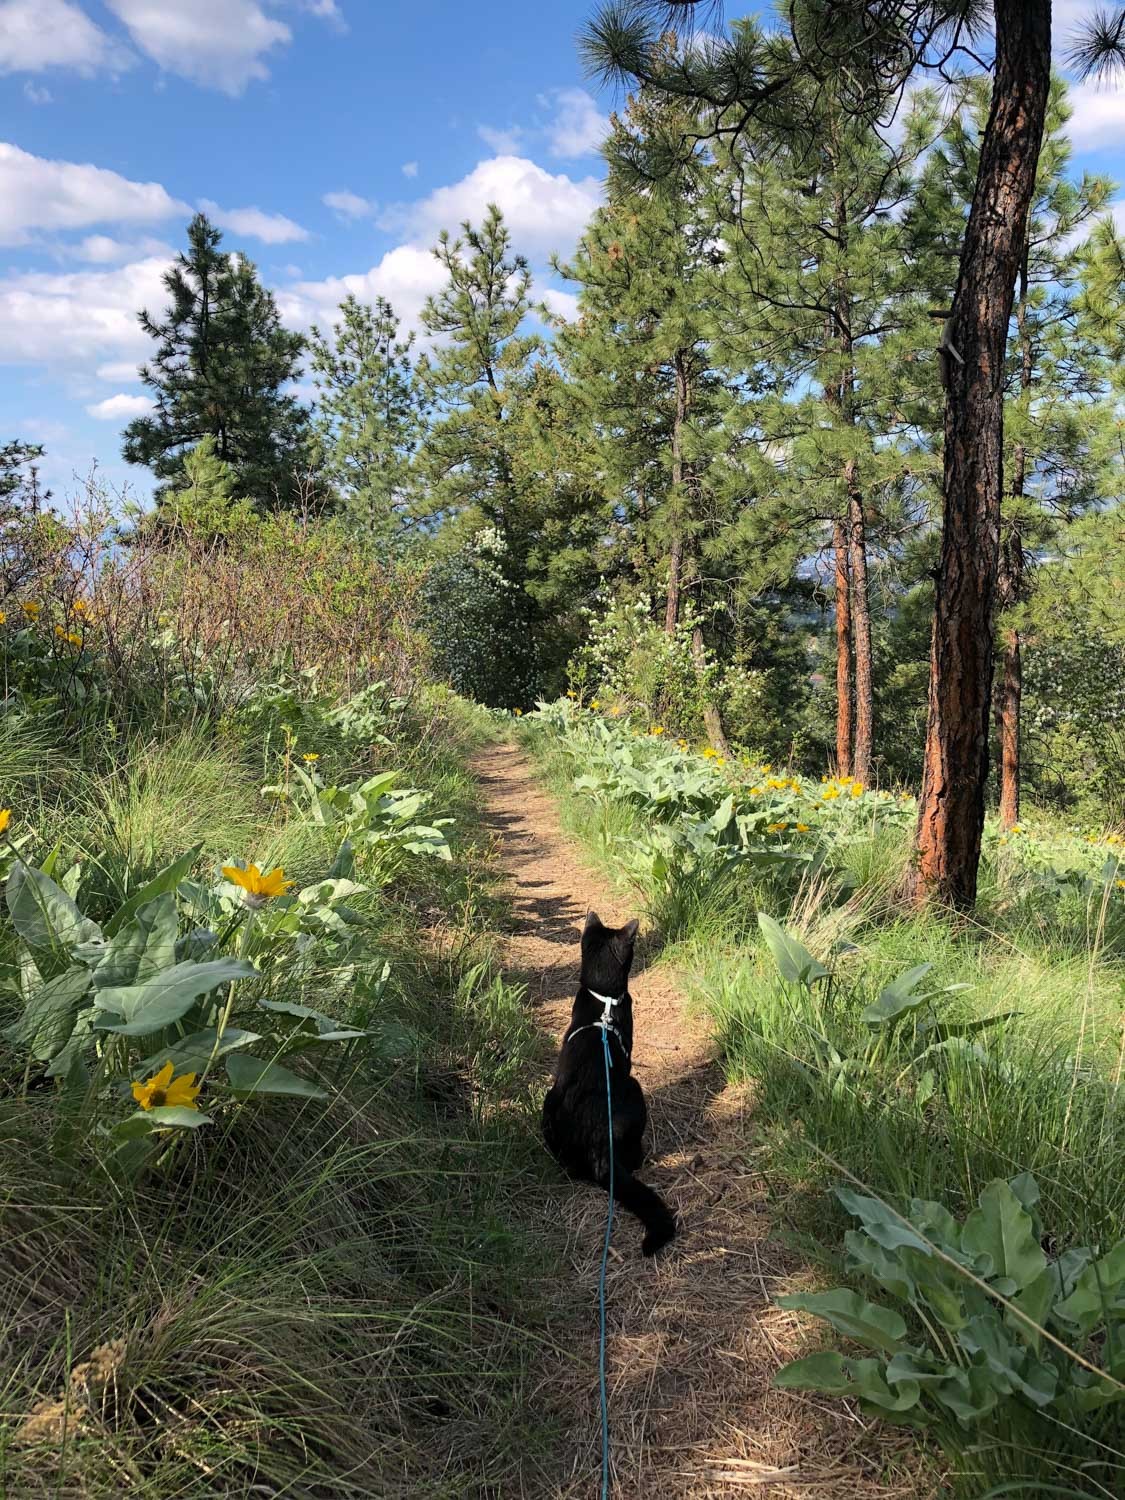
843 652
861 629
955 767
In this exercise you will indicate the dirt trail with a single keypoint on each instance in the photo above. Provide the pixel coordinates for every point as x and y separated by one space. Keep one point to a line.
693 1336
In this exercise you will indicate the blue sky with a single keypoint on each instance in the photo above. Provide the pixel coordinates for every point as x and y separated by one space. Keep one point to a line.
331 138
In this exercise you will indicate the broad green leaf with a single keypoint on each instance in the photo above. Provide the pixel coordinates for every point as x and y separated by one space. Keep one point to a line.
839 1376
882 1266
45 917
1014 1369
853 1316
885 1227
143 948
164 1117
166 880
1098 1291
191 1053
795 963
898 999
145 1008
250 1075
177 1114
49 1015
1002 1229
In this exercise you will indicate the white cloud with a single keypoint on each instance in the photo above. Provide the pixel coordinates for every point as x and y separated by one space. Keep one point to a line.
563 304
271 229
349 206
120 408
104 250
117 370
405 276
410 169
39 34
75 318
41 194
503 142
35 93
1099 114
217 43
544 211
578 127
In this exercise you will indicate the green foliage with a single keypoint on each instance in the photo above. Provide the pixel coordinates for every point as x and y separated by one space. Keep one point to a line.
368 417
221 364
482 625
1018 1328
206 503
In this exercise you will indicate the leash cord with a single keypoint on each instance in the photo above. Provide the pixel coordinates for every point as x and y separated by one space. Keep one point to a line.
601 1278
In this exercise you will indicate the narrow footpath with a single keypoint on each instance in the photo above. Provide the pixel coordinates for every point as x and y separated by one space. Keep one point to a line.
694 1337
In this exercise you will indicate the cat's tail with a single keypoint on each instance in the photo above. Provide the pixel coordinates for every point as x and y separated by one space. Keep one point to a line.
649 1207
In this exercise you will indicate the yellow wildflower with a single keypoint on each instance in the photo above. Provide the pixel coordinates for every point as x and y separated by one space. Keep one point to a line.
310 757
857 790
767 768
1120 884
163 1089
570 693
710 754
682 744
60 632
30 609
79 607
74 639
656 729
258 888
776 827
594 704
5 818
720 760
802 828
830 793
1017 828
3 617
615 710
518 712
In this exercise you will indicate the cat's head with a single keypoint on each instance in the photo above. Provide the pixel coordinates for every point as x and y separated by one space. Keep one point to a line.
607 955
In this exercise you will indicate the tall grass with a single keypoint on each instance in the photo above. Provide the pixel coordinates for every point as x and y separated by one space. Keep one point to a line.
310 1299
1034 1081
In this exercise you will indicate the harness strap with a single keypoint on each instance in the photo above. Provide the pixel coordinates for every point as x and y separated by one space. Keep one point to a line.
604 1023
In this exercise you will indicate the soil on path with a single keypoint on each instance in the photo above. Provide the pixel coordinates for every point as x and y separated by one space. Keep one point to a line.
694 1337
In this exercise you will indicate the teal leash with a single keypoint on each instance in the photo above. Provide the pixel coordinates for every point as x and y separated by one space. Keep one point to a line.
601 1277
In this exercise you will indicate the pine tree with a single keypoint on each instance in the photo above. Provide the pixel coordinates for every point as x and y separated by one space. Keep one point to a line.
220 369
820 285
641 354
471 378
368 416
872 50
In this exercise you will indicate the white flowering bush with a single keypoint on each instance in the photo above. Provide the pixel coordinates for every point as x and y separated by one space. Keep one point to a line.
481 625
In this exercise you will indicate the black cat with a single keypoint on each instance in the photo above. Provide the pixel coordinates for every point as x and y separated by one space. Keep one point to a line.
575 1119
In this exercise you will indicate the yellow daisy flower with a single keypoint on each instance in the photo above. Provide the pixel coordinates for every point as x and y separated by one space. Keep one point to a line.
5 818
594 704
518 712
776 827
857 790
802 828
310 757
163 1089
30 609
258 888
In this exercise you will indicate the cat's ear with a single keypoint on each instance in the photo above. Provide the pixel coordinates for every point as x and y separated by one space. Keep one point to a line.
593 923
629 931
623 940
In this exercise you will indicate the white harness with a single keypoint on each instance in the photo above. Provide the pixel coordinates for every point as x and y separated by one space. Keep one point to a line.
605 1020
